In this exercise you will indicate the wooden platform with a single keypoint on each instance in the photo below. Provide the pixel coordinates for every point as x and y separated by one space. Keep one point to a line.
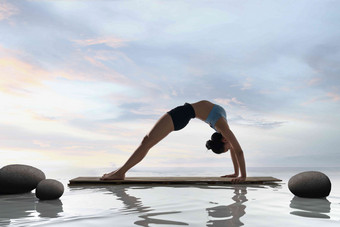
169 180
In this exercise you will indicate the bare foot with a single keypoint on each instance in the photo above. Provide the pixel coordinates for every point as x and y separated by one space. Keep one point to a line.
113 176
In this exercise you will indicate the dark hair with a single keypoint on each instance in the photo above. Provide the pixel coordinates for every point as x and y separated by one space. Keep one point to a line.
215 144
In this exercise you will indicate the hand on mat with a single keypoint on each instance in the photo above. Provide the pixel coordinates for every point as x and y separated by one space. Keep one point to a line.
238 180
113 176
231 175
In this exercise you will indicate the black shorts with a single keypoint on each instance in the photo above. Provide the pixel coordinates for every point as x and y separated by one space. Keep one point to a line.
181 115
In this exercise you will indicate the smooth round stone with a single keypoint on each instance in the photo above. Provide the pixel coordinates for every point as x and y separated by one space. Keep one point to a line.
49 189
19 178
310 184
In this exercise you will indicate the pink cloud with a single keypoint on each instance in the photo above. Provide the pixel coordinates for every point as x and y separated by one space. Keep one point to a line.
110 41
330 96
7 10
313 81
335 97
229 102
17 75
247 84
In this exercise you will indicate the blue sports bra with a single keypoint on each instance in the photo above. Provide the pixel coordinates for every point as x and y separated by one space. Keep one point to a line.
215 114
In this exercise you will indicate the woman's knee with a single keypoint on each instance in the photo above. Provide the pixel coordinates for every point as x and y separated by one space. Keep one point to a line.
147 141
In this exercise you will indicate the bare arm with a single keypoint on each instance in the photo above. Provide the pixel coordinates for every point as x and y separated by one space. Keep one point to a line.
223 127
235 164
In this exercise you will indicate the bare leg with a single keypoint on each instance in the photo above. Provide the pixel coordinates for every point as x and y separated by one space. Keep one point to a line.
161 129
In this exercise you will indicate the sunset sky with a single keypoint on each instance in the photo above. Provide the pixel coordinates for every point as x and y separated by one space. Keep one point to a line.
82 82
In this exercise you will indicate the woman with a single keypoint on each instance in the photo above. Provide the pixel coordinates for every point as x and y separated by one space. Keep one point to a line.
176 119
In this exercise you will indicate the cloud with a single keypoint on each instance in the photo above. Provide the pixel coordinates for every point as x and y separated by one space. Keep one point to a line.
147 60
49 44
314 81
324 98
229 102
116 67
110 42
255 122
7 10
17 76
334 96
41 143
324 59
54 140
98 64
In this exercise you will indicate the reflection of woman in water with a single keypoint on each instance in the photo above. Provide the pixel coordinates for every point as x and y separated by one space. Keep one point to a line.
221 141
229 215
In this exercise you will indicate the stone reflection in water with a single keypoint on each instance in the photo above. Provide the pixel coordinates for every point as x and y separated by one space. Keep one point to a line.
49 208
16 206
134 204
22 206
312 208
229 215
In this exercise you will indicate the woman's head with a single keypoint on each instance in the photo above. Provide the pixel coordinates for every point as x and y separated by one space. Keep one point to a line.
216 144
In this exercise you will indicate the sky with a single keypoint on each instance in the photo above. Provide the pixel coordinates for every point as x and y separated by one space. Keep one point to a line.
82 82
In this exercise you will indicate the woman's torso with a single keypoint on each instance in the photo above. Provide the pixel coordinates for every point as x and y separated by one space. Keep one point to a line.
202 109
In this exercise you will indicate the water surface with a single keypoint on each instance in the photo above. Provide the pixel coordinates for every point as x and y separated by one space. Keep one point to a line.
185 205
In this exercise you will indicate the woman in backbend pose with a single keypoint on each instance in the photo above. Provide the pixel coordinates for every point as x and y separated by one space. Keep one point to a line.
221 141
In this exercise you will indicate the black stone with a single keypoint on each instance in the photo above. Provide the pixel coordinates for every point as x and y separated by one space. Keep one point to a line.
19 178
310 184
49 189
